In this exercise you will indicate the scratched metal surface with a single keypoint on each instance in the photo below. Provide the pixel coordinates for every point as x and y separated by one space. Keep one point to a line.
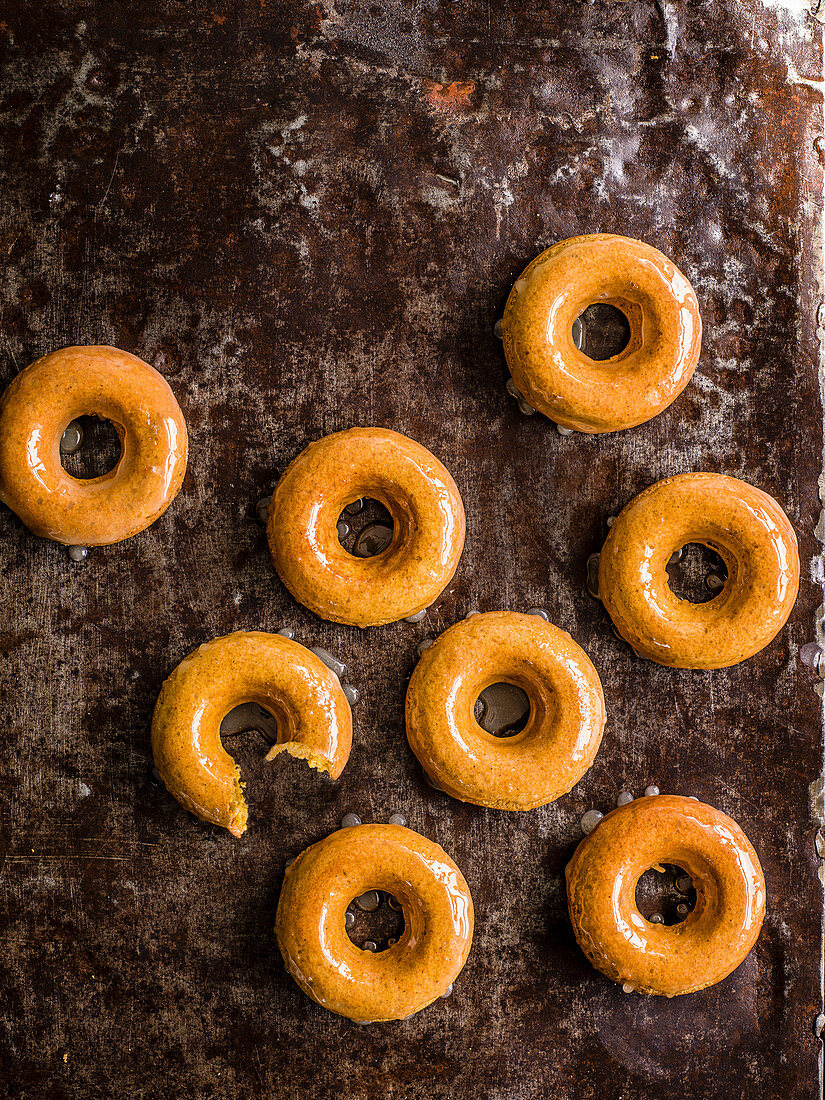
250 195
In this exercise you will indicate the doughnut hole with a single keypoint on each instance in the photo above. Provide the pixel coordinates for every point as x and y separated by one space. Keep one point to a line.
502 709
602 331
696 573
247 733
665 896
375 919
90 447
250 718
365 528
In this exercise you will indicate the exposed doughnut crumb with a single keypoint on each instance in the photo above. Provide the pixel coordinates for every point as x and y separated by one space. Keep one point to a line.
301 752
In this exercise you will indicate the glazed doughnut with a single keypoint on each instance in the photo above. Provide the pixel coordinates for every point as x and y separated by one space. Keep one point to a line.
427 538
409 975
656 958
313 718
590 395
751 533
556 747
37 408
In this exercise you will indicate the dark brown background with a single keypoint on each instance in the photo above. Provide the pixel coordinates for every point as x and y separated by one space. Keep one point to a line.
247 194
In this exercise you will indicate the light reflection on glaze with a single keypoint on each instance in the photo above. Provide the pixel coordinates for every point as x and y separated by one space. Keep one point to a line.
112 384
428 527
557 378
561 736
410 974
312 714
712 941
327 918
33 455
173 452
750 532
623 917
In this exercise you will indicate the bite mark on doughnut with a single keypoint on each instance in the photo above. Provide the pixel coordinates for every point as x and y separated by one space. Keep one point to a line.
239 812
238 809
302 752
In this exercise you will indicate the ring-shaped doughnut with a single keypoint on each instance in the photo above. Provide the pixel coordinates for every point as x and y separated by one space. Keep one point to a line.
312 715
35 411
656 958
558 379
409 975
427 538
564 729
749 531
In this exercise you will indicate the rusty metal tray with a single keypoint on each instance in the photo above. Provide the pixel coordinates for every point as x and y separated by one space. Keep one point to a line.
308 215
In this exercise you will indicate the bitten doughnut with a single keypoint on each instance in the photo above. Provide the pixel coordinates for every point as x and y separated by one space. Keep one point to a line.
590 395
409 975
427 538
37 408
751 533
312 715
564 729
656 958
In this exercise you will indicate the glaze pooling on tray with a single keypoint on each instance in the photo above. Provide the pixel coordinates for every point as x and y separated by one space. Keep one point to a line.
313 718
754 538
652 957
36 410
563 731
427 538
369 986
556 377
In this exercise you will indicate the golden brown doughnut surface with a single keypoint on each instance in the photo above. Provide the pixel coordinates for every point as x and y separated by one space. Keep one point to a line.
428 527
562 382
657 958
409 975
313 718
751 533
37 408
563 732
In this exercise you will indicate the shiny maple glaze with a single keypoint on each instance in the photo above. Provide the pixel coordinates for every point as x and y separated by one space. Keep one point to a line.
428 527
656 958
608 395
313 718
37 408
751 533
311 922
564 730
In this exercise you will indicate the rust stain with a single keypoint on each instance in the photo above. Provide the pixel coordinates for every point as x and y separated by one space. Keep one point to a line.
455 98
